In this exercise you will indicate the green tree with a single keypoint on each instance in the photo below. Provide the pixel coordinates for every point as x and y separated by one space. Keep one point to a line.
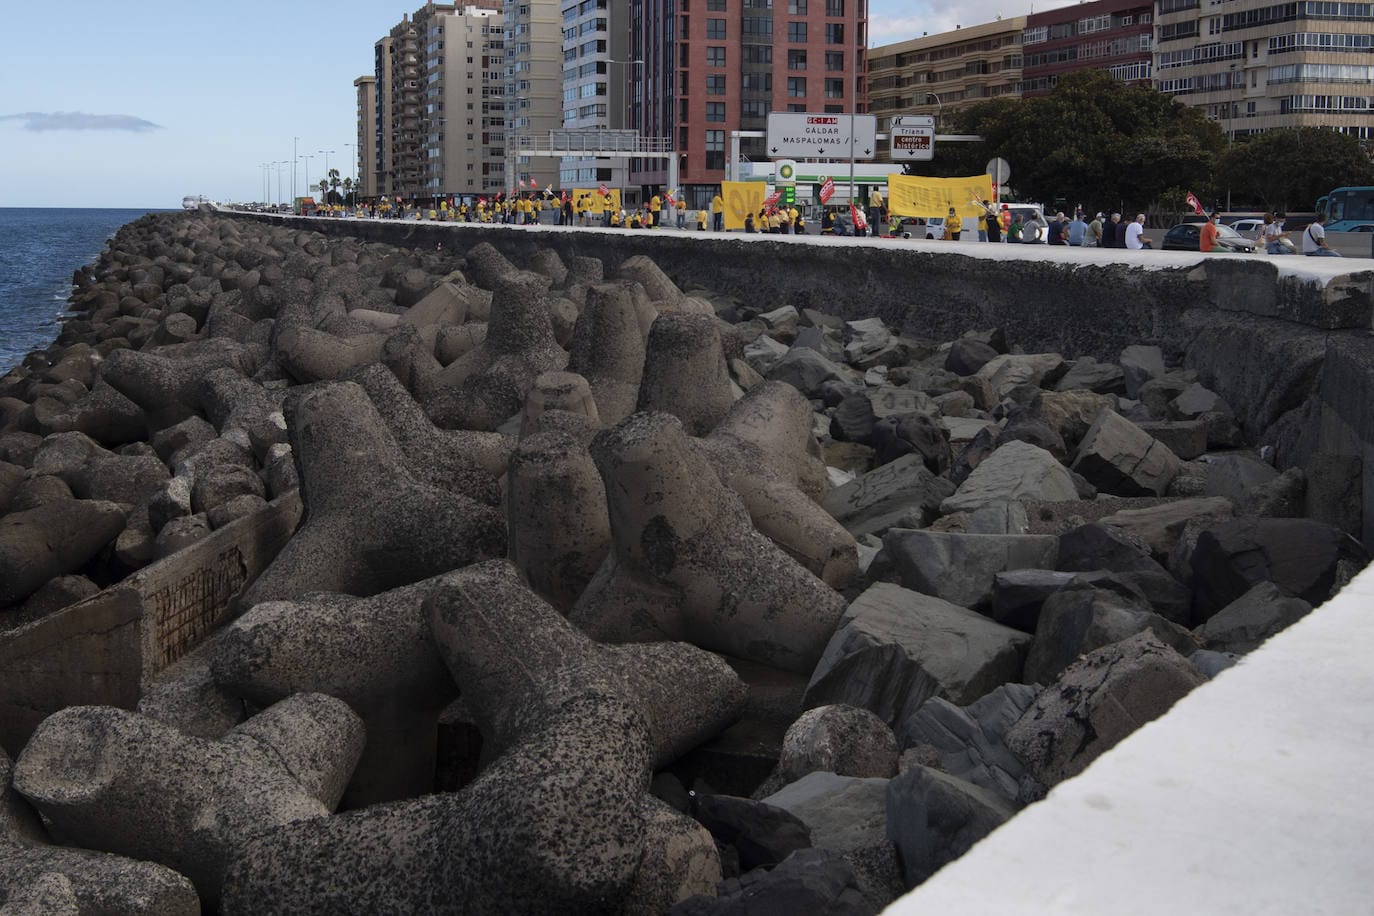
1093 140
1290 168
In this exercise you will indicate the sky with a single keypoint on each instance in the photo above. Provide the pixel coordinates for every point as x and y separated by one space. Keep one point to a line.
146 101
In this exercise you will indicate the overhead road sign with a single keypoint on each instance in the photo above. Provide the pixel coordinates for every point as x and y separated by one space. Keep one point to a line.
812 135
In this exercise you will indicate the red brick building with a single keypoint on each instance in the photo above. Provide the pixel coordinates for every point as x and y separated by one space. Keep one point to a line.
714 66
1112 35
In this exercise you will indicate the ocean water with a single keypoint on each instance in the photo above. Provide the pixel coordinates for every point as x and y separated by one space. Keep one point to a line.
40 247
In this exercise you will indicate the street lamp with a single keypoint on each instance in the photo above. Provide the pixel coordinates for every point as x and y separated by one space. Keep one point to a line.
939 108
294 157
326 153
352 162
281 167
266 182
307 157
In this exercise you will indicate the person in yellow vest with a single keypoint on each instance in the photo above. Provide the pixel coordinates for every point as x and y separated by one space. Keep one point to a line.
607 210
655 209
681 207
717 214
615 219
701 220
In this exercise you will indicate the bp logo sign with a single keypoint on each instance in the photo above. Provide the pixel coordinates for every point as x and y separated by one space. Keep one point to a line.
786 171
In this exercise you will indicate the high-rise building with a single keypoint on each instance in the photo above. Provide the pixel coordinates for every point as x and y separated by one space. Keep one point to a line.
1112 35
717 66
596 74
437 122
366 167
1255 65
534 87
939 74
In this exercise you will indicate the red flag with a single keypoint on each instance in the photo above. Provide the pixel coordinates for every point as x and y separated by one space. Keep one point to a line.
604 191
534 184
772 199
857 215
564 198
827 190
1194 203
522 183
668 198
482 201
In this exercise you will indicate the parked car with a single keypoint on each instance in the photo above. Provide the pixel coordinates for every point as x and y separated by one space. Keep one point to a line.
1185 237
1249 227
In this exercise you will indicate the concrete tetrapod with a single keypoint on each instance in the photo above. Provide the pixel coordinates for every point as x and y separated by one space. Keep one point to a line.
560 821
376 654
98 882
765 451
685 373
462 461
608 346
556 512
370 525
486 385
120 782
686 563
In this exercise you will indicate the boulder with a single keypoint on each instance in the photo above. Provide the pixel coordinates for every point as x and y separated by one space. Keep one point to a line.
804 369
1016 471
761 835
1139 364
1082 617
1300 556
1252 618
808 881
1097 702
895 648
959 568
1159 526
967 355
933 818
1118 457
970 741
839 739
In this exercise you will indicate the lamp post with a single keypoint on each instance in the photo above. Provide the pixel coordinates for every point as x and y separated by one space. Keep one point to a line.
853 97
294 157
326 153
266 182
939 108
307 157
281 167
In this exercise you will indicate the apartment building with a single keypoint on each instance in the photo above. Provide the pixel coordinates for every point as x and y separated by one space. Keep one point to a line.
534 88
940 74
436 125
597 74
366 167
716 66
1255 65
1112 35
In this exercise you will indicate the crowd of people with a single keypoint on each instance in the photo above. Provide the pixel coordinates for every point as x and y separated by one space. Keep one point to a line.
1006 222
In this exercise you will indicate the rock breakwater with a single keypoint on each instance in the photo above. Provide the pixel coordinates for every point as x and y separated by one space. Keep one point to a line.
610 594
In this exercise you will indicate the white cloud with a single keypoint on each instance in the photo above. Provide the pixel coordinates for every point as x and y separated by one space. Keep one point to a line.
79 120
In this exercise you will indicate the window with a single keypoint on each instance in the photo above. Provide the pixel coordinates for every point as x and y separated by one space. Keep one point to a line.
715 6
715 149
796 60
834 89
757 25
758 54
796 32
757 82
715 29
834 7
796 86
715 112
755 109
834 60
715 56
715 84
796 7
834 33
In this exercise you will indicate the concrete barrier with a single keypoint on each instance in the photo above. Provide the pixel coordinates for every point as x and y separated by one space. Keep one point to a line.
106 649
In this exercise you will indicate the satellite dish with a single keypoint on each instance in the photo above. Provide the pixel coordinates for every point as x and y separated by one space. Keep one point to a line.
999 169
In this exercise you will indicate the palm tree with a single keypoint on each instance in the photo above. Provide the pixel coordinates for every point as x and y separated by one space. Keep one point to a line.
324 191
334 184
348 191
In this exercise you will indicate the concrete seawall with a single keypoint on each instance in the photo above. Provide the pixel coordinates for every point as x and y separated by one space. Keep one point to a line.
1287 341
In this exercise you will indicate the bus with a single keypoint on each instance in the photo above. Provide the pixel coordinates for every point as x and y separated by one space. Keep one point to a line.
1348 209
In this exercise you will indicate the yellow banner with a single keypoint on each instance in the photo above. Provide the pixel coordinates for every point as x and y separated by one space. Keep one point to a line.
599 203
912 195
741 197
